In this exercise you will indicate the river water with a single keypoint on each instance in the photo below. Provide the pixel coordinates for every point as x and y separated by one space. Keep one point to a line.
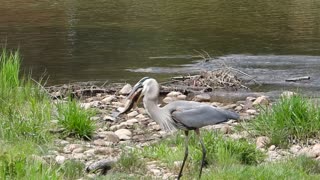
105 40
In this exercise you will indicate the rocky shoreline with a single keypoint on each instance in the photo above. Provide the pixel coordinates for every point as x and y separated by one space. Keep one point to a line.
136 129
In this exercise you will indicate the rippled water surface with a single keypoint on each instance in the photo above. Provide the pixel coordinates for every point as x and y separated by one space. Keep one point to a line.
124 40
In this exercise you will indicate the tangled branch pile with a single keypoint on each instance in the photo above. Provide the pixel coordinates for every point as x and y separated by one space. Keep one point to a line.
224 78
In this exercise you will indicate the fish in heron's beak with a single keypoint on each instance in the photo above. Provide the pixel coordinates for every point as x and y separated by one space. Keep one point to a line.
133 97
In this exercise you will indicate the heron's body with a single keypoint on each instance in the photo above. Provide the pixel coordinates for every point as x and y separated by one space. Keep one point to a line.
184 115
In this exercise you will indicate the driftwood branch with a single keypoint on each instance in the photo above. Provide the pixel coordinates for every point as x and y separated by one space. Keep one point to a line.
298 79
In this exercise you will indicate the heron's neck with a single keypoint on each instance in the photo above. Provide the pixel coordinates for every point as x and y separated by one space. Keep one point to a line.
151 105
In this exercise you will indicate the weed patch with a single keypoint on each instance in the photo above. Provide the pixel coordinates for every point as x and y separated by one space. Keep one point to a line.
75 119
294 118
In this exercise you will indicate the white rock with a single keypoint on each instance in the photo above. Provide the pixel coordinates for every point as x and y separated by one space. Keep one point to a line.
132 121
123 134
108 118
85 105
78 150
272 148
60 159
95 118
182 97
287 94
125 89
168 100
177 163
89 153
108 99
295 149
132 114
251 111
156 172
174 94
262 100
262 141
70 147
316 149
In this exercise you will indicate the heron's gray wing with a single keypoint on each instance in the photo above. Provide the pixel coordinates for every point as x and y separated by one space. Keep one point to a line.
203 115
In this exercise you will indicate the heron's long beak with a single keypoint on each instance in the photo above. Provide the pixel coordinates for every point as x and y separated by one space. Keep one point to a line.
136 91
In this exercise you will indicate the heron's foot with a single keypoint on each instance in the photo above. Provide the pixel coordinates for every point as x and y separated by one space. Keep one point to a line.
205 163
179 176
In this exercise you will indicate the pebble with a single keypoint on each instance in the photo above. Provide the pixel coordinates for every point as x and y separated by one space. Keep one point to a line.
174 94
262 100
262 141
123 134
60 159
132 121
132 114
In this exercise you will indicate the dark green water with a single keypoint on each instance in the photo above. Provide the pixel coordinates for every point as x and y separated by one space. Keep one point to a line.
101 39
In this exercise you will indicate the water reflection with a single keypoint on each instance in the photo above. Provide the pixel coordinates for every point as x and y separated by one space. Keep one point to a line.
100 39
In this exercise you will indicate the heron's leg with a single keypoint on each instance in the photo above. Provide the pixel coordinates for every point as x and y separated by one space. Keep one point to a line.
203 151
185 153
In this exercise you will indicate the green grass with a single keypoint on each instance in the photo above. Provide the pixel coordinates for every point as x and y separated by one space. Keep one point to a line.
220 151
227 159
294 118
25 114
75 119
296 168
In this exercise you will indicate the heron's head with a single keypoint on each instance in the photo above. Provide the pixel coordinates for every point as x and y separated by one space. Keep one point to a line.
145 86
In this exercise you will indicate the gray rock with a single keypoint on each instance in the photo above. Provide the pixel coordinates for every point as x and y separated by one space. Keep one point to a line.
125 89
202 98
79 156
111 136
103 150
307 152
99 142
70 147
225 129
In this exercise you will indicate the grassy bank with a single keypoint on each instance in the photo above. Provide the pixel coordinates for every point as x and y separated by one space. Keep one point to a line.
25 115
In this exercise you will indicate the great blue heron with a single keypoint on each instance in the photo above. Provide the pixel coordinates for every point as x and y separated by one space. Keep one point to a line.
184 115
